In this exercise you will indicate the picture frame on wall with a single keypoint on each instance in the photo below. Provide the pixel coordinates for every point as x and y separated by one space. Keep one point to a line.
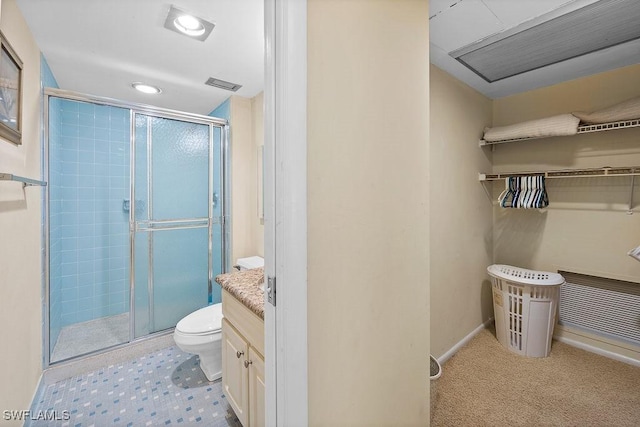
10 93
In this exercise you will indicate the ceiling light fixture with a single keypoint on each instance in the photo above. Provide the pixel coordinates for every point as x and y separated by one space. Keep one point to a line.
188 24
145 88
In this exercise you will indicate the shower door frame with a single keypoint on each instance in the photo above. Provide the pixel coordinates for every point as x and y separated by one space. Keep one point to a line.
224 198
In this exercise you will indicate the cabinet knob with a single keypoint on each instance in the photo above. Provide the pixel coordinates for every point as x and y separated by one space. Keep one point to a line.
247 363
239 354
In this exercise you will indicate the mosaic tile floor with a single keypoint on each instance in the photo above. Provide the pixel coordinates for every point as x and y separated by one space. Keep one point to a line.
166 387
86 337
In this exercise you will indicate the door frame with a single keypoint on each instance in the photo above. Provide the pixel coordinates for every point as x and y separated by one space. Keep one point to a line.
285 202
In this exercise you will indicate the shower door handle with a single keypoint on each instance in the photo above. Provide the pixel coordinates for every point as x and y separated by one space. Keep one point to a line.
126 205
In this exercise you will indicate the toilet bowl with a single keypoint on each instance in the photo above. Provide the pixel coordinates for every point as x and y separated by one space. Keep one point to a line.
201 333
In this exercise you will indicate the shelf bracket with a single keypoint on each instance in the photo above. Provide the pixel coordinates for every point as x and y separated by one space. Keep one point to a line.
633 179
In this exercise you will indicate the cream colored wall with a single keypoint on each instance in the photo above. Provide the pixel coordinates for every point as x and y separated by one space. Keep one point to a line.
586 228
368 204
257 114
461 214
246 119
20 241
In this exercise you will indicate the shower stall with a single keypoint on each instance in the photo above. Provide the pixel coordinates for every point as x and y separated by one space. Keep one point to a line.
136 220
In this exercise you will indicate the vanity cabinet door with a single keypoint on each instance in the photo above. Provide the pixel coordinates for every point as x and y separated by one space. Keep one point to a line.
256 389
235 376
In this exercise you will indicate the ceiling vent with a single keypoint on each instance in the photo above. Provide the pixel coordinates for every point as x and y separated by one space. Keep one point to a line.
222 84
550 39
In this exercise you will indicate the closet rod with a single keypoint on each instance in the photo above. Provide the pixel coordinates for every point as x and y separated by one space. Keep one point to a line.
566 173
25 181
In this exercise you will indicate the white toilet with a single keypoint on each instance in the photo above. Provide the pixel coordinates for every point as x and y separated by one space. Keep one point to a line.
201 331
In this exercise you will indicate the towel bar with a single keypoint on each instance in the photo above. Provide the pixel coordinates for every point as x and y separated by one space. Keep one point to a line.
26 182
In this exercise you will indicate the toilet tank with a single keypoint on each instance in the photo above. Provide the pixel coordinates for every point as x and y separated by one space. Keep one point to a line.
249 263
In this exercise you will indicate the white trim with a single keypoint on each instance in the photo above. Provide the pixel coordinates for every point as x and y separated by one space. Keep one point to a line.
453 350
569 341
285 211
596 350
269 212
595 343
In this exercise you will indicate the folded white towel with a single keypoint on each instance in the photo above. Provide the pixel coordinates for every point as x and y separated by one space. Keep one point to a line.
560 125
627 110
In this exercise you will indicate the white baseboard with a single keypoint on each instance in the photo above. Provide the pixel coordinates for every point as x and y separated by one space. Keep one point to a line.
453 350
565 335
593 343
596 350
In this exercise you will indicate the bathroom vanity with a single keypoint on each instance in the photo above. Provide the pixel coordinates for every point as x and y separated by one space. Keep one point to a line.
243 344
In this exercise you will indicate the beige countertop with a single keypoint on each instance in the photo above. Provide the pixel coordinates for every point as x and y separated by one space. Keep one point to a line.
246 286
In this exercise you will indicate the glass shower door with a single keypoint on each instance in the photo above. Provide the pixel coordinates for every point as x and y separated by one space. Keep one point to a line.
173 209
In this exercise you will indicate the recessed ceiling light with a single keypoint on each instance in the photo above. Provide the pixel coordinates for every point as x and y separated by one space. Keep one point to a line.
188 24
145 88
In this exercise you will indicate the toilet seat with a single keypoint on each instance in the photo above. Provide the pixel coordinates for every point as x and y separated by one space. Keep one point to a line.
205 321
200 333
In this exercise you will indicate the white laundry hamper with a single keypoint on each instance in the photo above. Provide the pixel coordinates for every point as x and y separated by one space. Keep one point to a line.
435 373
525 303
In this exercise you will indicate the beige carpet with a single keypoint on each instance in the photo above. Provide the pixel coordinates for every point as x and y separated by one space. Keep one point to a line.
486 385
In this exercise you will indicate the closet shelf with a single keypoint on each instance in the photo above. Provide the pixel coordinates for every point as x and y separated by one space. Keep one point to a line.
567 173
625 124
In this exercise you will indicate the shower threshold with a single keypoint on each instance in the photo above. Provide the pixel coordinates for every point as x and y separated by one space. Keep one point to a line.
90 336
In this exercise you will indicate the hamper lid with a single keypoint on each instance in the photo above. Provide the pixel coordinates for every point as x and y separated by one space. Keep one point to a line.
524 276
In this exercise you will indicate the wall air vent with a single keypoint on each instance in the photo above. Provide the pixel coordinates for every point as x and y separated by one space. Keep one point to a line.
603 306
222 84
550 39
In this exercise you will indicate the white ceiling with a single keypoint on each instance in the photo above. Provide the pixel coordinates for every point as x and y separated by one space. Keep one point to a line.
100 47
458 23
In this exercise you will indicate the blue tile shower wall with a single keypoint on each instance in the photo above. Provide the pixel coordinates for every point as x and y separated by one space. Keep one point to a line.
47 77
222 111
89 180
